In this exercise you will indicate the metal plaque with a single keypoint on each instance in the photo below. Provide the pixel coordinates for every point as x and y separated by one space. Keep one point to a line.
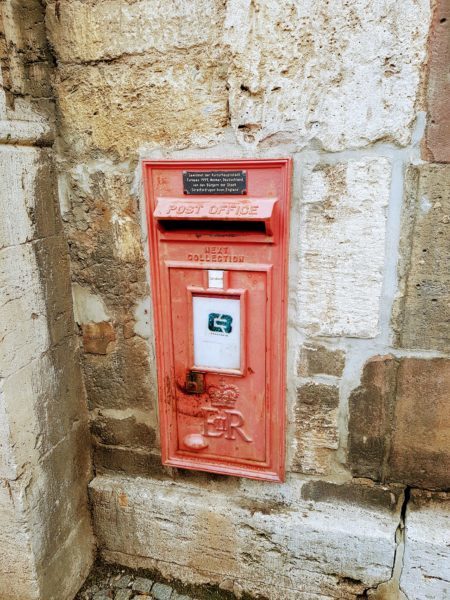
202 183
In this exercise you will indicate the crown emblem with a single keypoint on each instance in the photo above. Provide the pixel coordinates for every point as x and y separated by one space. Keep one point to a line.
223 394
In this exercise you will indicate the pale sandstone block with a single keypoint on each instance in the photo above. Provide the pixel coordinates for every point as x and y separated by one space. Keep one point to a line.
426 562
342 247
141 102
344 73
34 422
296 72
316 433
23 324
82 32
300 550
56 499
15 544
27 200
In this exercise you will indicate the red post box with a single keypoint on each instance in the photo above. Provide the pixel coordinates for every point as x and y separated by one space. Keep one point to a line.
218 235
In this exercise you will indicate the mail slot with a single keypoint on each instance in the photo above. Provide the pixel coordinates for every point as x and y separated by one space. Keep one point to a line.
218 235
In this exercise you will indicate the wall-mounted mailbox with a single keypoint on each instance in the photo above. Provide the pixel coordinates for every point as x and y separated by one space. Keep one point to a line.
218 233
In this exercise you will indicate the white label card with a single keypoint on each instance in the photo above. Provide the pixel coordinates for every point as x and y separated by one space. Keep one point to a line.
215 279
217 332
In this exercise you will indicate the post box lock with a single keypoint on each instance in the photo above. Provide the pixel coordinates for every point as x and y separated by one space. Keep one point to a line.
218 233
195 382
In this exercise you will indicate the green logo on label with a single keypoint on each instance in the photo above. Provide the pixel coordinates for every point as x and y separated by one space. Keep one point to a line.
220 323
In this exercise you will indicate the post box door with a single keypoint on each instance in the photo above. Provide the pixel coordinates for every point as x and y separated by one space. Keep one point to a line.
220 361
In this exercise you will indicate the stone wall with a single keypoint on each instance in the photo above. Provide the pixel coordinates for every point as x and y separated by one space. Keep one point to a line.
46 541
343 88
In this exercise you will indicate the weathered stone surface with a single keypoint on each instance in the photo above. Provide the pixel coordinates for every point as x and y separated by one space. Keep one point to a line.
98 338
124 106
312 71
16 555
370 412
128 461
129 428
365 494
422 316
45 528
316 437
120 379
97 31
26 110
314 74
319 360
102 224
420 446
32 389
26 174
23 327
436 145
399 422
342 247
426 572
302 550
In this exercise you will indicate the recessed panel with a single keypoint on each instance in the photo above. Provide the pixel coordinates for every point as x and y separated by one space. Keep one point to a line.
217 332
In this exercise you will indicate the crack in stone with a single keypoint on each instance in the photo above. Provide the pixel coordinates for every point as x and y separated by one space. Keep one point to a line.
391 588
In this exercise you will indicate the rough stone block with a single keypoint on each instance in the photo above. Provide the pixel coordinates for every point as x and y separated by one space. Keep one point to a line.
98 338
32 390
74 556
399 422
27 193
309 70
316 435
126 106
112 28
420 445
120 379
426 573
127 428
422 315
15 546
370 411
300 550
342 247
58 476
365 494
319 360
129 461
316 74
436 145
53 264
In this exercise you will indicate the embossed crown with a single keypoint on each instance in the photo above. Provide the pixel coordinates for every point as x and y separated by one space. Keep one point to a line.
224 395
